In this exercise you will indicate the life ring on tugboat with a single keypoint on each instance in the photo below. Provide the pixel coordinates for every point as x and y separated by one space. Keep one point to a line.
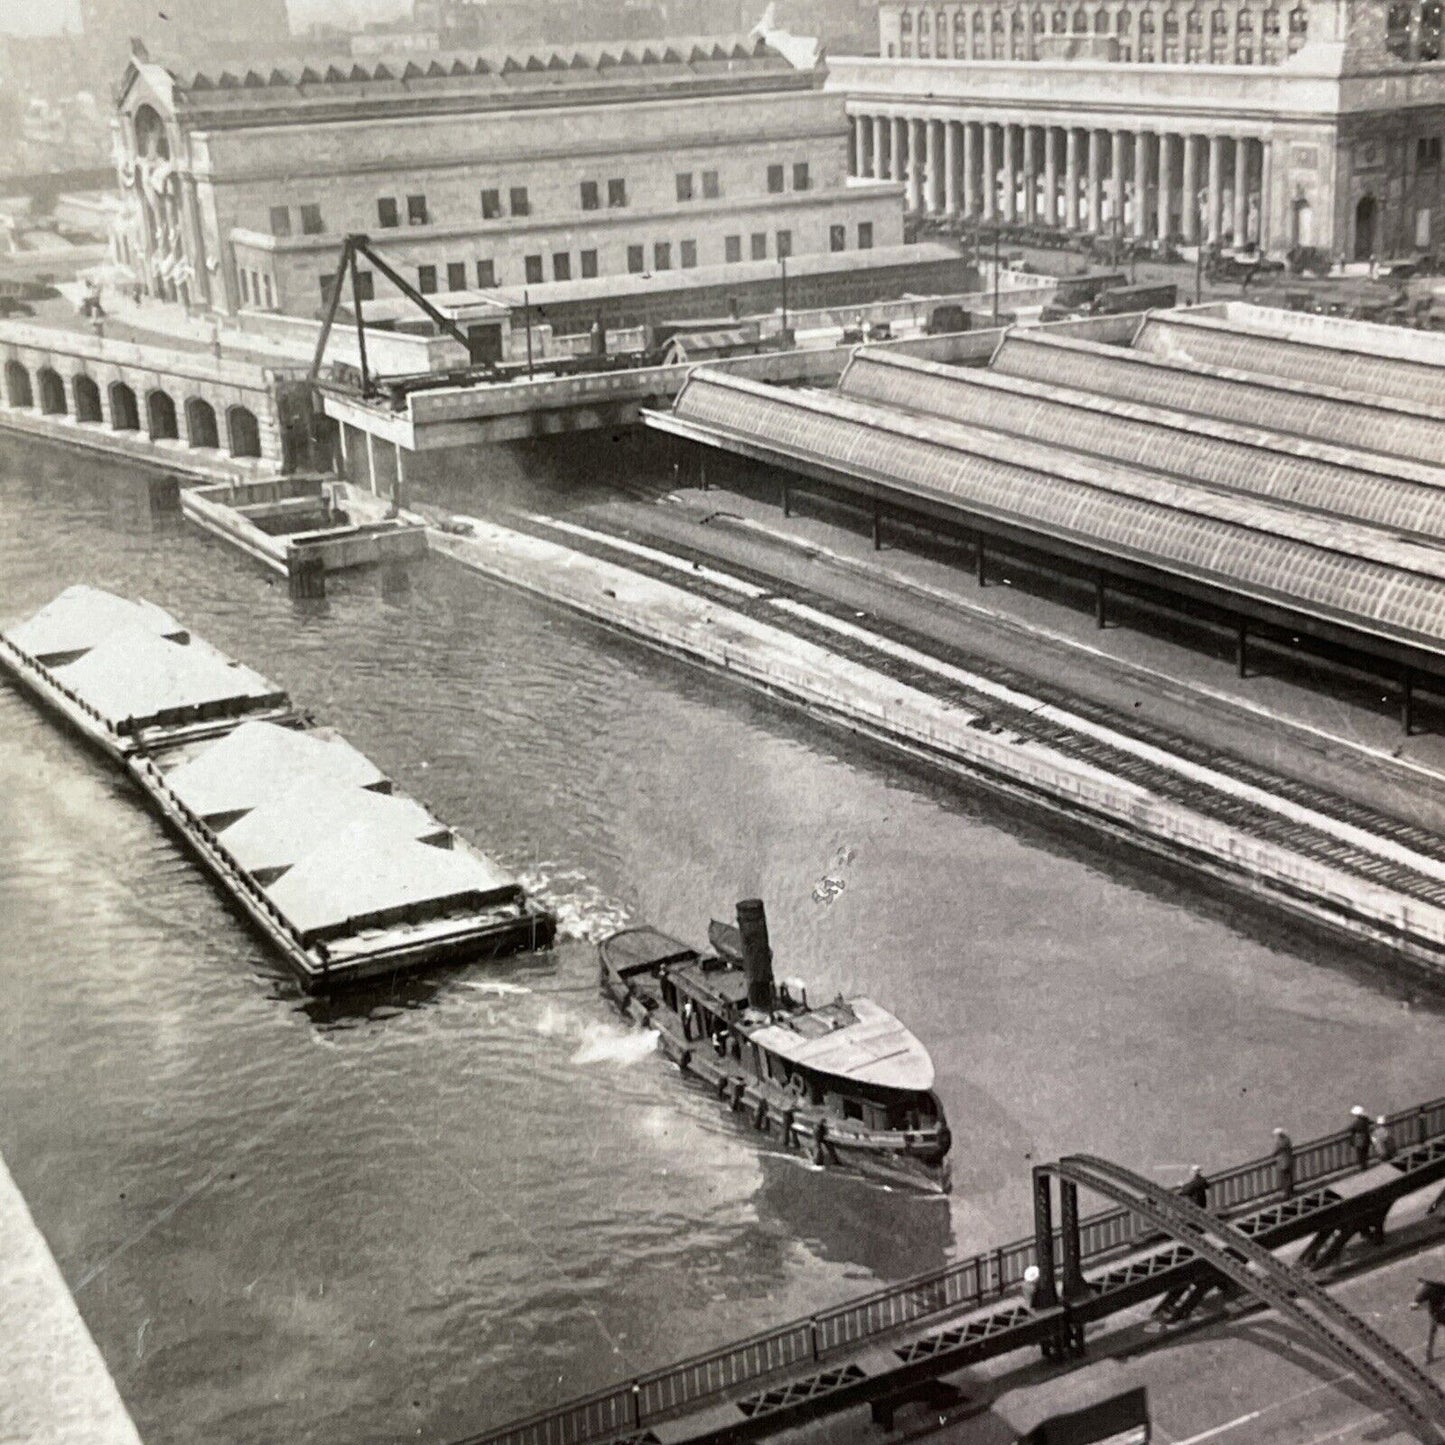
797 1087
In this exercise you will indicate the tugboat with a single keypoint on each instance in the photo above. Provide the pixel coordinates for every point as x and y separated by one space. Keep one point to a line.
844 1082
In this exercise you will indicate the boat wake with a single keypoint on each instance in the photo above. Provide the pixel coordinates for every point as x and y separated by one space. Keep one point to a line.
583 910
597 1043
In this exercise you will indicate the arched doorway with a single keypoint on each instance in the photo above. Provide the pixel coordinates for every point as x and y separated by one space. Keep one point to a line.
17 385
87 399
1365 213
161 416
245 433
1302 224
201 429
124 413
52 391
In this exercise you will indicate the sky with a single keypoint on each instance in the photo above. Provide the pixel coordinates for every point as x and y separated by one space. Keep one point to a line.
48 17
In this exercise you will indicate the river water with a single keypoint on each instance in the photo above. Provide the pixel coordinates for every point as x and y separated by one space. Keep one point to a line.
422 1213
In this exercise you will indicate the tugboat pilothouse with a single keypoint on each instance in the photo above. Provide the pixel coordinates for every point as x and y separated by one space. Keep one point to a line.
844 1082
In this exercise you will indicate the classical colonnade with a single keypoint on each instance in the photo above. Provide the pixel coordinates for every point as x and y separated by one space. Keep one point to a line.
1141 183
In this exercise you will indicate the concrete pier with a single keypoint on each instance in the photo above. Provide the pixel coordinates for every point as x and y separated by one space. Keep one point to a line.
54 1386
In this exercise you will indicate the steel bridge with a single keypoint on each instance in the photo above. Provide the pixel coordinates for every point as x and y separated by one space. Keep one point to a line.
891 1346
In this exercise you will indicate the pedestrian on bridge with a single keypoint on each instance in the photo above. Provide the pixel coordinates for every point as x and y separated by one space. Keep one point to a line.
1196 1188
1283 1164
1360 1137
1382 1141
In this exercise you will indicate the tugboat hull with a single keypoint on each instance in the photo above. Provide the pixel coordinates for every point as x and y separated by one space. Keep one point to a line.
804 1115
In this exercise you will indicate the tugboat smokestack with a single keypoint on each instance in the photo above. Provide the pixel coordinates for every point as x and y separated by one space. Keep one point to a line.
757 955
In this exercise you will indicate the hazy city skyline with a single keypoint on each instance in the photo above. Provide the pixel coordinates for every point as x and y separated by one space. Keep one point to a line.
27 17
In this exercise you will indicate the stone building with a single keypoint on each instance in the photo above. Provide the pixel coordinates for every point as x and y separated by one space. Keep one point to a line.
1284 122
473 171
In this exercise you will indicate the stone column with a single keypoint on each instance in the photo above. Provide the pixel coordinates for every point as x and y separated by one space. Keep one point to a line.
1166 185
896 149
854 148
1189 208
990 171
970 169
1094 209
1051 177
950 167
1241 189
1071 179
1215 202
915 164
1031 174
1010 175
933 131
1266 230
1116 183
1141 184
880 147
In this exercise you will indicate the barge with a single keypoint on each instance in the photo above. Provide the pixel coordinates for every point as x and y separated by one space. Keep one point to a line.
346 876
843 1082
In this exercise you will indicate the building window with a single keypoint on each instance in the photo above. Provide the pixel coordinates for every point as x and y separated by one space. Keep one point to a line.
280 220
662 256
785 244
865 235
416 211
271 295
328 285
246 288
486 274
365 285
684 185
491 205
775 180
456 275
732 249
616 192
759 245
800 175
688 257
1427 153
532 265
386 212
589 265
1397 29
635 262
1422 229
591 199
521 205
311 221
710 189
1432 24
837 238
561 266
426 279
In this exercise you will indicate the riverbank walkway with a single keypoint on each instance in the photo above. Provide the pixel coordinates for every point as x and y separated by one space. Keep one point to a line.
54 1386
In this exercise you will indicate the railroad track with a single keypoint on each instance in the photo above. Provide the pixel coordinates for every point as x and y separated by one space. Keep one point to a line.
1254 818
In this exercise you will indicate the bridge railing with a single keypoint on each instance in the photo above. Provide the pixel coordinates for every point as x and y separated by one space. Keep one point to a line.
965 1284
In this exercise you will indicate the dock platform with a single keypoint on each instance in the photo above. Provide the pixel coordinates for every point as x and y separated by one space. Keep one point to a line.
346 876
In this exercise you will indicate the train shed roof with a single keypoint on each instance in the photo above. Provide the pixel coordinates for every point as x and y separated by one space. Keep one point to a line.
1399 496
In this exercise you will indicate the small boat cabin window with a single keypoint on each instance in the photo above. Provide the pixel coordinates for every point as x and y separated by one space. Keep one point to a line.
852 1109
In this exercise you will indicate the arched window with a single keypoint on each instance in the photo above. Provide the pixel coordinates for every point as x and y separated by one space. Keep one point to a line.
1244 23
978 23
905 23
161 417
245 434
1124 21
87 399
124 413
1036 21
1171 23
1219 22
1101 21
1194 22
52 391
201 429
150 134
922 21
1081 21
18 391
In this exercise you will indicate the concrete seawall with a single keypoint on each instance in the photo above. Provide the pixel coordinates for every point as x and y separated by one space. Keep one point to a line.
54 1386
847 693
